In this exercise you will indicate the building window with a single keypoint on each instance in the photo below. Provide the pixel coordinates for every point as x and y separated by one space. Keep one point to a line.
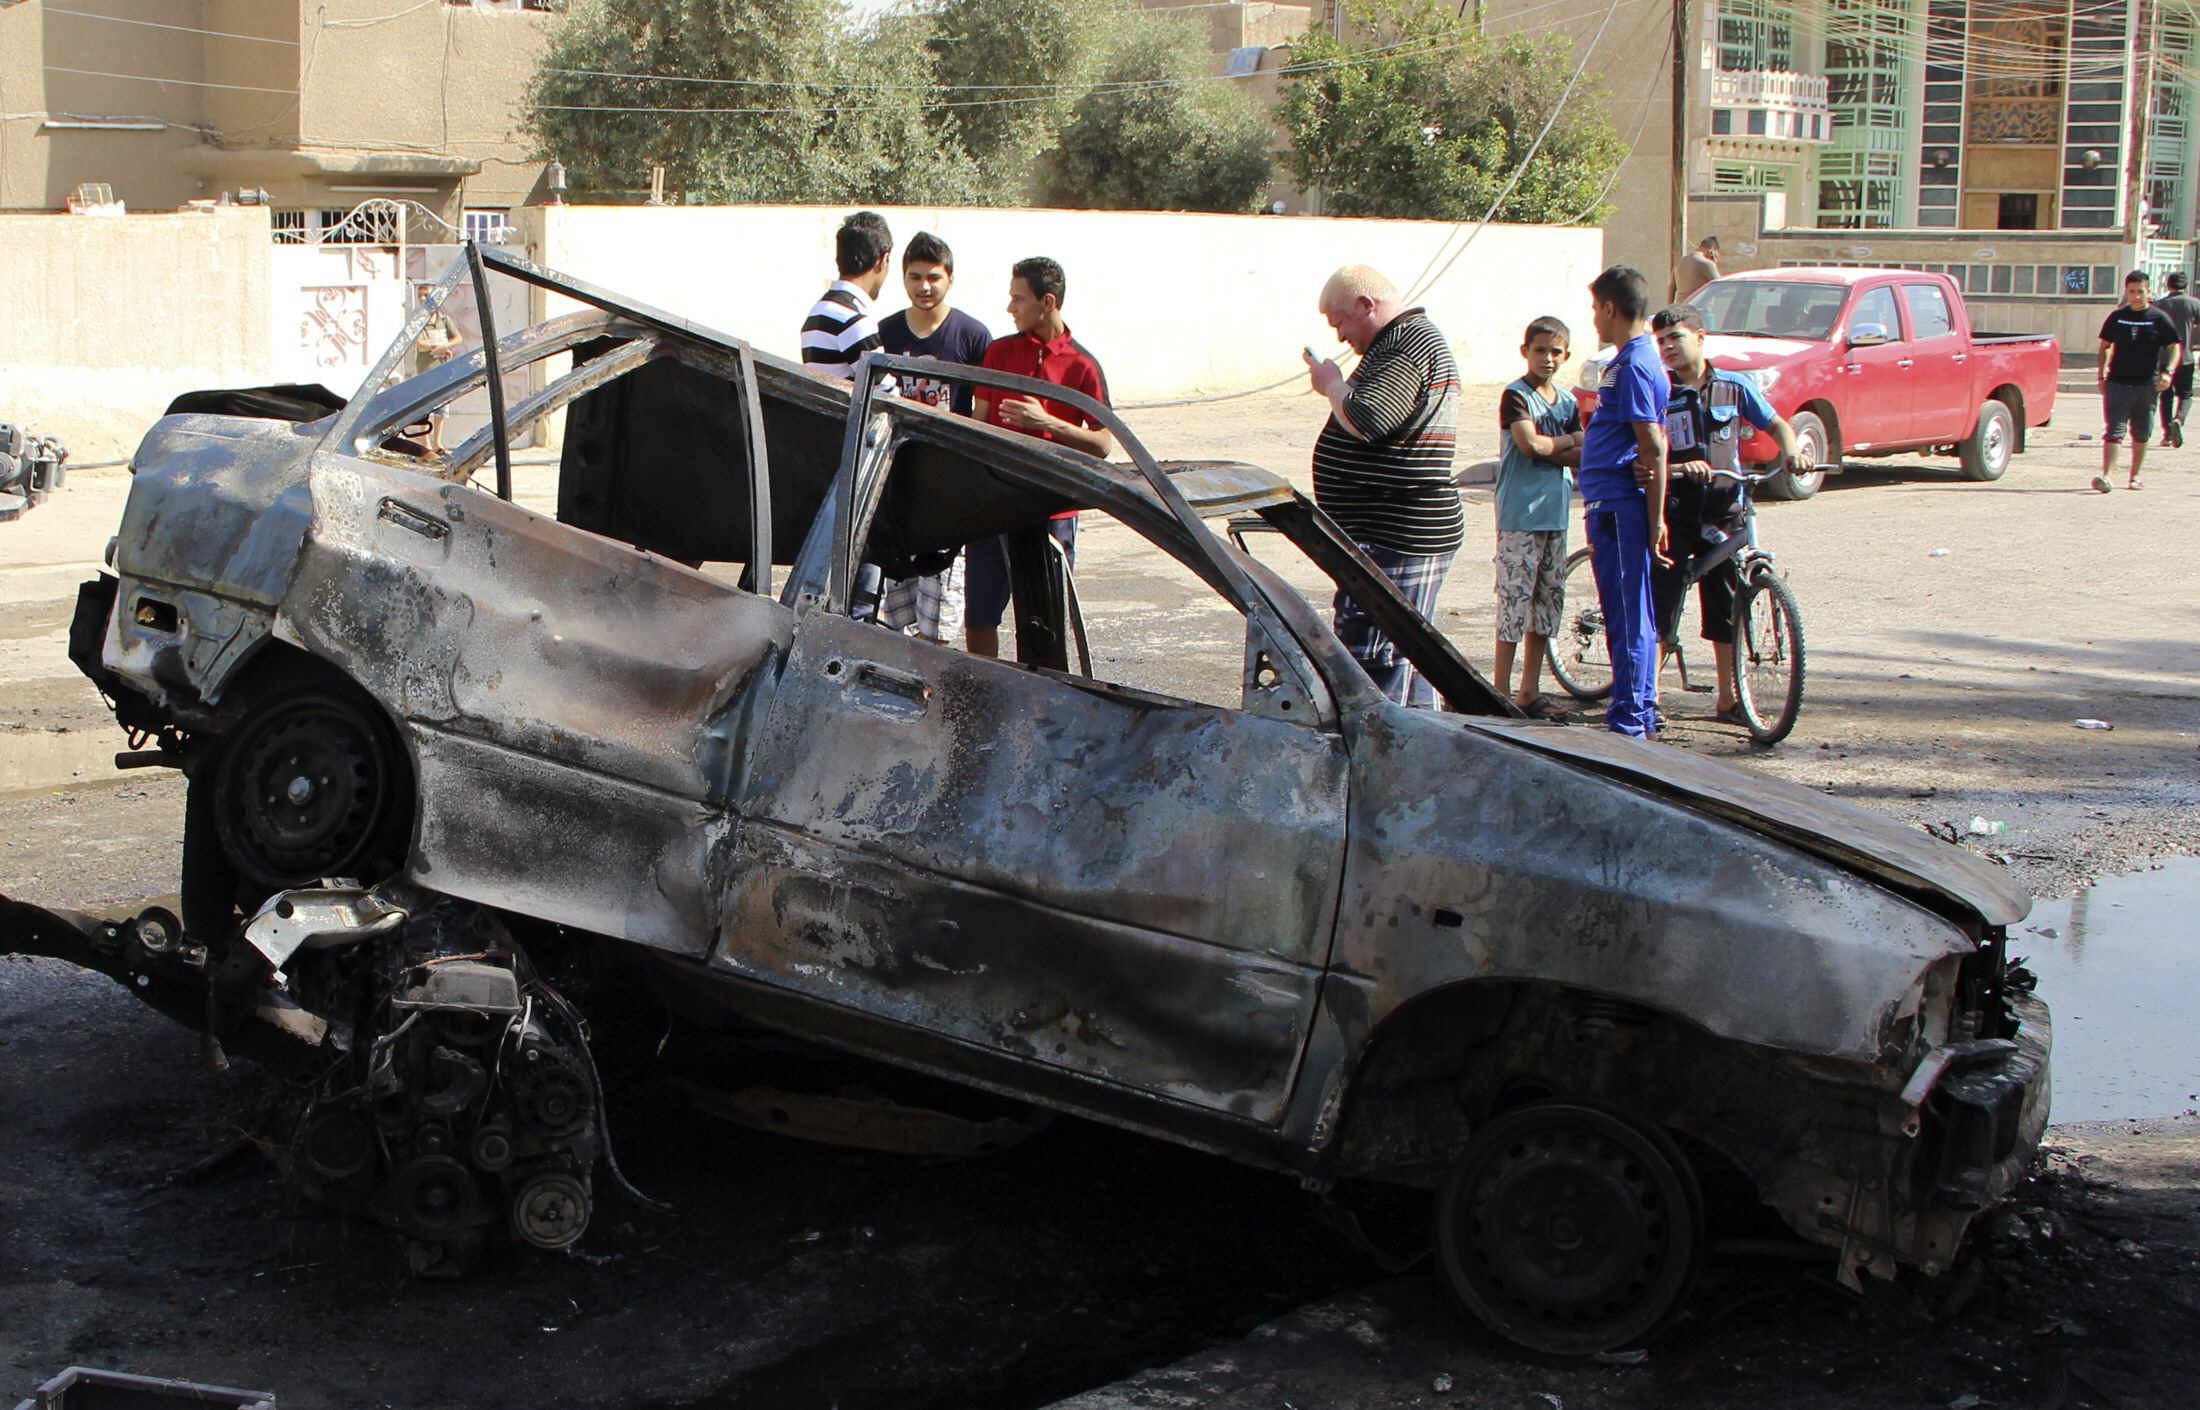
290 227
490 227
2019 210
1871 48
1722 122
1748 176
371 223
1756 35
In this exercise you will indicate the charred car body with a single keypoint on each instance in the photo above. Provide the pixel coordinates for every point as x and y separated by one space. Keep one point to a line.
1547 974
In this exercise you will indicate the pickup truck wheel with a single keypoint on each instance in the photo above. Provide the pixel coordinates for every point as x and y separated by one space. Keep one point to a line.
1570 1228
1987 449
1812 441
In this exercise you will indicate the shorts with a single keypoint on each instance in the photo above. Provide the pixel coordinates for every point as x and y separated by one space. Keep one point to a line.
1531 582
930 606
985 574
2126 404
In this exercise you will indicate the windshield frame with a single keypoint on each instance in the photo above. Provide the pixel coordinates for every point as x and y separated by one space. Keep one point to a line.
1765 297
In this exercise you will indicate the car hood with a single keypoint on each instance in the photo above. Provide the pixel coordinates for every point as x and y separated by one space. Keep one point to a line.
1737 354
1901 857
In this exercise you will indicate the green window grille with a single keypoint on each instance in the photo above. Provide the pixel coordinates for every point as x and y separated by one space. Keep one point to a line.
1872 90
1749 176
2170 153
1756 35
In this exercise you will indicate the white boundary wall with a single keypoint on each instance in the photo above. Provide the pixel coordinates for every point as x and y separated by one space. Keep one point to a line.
1172 304
103 321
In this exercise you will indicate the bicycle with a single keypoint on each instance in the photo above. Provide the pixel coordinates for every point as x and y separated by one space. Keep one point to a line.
1768 631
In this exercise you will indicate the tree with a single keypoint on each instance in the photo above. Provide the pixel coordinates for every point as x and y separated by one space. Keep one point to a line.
995 61
1425 117
1157 132
744 100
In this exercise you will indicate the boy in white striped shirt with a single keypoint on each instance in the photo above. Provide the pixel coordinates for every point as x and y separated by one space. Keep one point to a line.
842 325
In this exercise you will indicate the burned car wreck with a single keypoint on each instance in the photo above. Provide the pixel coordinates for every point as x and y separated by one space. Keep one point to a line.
1548 976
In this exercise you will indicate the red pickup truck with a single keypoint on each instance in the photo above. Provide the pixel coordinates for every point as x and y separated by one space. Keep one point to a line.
1869 362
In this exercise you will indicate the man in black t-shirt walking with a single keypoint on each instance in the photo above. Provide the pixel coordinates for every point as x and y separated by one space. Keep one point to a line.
2183 311
2139 351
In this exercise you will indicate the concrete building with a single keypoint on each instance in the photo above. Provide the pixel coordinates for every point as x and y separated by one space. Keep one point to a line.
2032 149
321 104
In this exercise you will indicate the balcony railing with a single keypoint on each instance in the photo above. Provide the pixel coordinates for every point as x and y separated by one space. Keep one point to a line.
1768 111
1768 88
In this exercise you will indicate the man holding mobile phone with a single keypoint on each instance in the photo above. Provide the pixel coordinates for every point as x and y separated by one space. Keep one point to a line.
1382 466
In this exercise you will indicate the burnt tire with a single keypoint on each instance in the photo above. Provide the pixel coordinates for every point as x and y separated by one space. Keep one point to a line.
311 783
1570 1228
1986 451
1813 442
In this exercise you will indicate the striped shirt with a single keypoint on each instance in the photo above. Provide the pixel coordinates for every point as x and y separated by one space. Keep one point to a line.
1390 485
839 331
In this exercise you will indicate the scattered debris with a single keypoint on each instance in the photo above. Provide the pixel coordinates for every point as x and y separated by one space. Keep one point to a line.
1441 1385
1984 827
30 469
2093 724
1937 553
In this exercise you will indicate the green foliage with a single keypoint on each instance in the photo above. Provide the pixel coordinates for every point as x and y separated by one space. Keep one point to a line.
1156 133
980 46
1435 129
783 133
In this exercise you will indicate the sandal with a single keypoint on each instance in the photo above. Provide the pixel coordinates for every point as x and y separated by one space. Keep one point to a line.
2100 482
1731 715
1545 708
2136 484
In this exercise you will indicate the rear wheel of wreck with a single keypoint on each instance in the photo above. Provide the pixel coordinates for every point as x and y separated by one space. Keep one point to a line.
310 784
1570 1228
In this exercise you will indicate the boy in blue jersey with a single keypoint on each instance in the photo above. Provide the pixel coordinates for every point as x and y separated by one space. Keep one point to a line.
1539 435
1622 478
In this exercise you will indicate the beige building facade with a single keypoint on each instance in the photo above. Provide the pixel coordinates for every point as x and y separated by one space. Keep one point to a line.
321 104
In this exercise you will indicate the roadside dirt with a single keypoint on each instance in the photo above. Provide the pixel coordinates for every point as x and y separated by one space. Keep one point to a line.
1941 688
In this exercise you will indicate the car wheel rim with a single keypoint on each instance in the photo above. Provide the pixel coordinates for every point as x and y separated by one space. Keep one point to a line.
1997 444
1576 1233
305 794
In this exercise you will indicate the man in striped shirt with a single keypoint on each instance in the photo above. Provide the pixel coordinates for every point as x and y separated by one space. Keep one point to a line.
842 327
1382 466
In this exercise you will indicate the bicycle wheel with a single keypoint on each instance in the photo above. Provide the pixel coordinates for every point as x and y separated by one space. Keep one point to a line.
1768 656
1579 657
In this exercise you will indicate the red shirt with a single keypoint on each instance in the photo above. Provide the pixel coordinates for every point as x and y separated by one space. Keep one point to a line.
1063 362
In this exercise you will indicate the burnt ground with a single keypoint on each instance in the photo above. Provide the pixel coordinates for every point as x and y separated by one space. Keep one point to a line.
789 1273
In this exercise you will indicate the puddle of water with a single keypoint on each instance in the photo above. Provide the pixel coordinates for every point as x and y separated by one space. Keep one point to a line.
2116 964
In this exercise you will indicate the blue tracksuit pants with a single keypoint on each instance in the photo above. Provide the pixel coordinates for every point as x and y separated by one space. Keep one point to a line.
1619 551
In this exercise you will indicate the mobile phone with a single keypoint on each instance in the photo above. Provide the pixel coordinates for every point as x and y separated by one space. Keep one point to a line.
1311 355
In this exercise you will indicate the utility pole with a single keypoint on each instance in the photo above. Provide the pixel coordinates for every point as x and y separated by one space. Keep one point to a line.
1679 195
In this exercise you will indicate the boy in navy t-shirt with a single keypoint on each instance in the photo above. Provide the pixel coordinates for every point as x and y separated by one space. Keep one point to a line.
1539 435
929 327
1622 475
931 606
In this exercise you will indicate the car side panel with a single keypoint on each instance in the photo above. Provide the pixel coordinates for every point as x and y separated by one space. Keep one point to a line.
1135 888
524 659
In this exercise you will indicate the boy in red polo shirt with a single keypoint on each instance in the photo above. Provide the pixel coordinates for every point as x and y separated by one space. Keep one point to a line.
1041 347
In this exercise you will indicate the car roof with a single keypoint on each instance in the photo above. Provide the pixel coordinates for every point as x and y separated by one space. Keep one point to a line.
1816 274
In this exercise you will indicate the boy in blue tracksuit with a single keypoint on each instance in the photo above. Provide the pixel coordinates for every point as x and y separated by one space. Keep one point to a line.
1622 475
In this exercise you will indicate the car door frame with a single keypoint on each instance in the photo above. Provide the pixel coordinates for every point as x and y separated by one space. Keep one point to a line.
1941 405
1154 987
1880 392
